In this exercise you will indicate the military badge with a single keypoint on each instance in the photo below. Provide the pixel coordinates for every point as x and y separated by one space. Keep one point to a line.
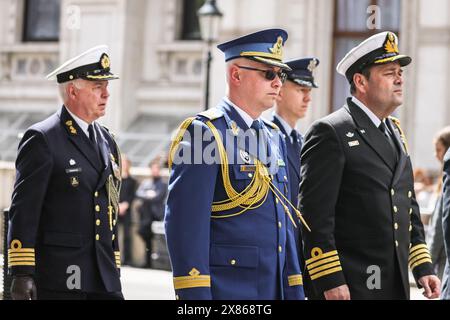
362 131
72 162
353 143
245 156
74 182
281 163
105 62
234 128
350 134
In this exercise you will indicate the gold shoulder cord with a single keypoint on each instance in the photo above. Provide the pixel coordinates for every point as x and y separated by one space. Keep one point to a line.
253 196
402 135
113 189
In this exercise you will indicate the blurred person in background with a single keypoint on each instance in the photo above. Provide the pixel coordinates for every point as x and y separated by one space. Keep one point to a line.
435 235
127 194
153 193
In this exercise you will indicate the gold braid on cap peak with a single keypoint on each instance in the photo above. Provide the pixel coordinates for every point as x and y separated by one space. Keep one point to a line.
253 196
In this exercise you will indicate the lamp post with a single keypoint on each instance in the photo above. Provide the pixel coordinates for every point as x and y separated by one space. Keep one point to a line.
209 17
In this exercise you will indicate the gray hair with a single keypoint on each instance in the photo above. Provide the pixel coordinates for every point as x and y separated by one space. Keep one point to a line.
78 83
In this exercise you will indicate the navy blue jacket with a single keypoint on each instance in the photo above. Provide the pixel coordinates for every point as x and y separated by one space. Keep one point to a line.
247 256
59 212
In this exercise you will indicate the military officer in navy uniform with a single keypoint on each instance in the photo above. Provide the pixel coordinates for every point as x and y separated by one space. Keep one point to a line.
445 295
62 235
357 189
229 222
292 103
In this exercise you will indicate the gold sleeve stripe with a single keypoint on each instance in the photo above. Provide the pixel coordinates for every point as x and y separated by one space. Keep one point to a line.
321 262
295 280
326 272
419 257
421 262
316 254
17 255
324 267
418 253
20 250
22 259
191 282
16 264
419 246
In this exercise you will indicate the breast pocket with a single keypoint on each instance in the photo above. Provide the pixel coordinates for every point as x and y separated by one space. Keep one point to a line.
234 271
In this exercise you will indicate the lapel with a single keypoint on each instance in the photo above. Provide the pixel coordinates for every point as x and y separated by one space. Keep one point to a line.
372 136
294 160
398 141
243 137
105 155
79 139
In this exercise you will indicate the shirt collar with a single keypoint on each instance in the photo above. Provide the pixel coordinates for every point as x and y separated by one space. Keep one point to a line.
376 121
244 115
285 125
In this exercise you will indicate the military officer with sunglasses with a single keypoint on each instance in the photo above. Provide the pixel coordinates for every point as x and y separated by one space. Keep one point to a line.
229 222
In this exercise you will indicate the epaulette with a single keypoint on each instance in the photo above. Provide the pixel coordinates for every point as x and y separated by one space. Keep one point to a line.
395 120
211 114
271 124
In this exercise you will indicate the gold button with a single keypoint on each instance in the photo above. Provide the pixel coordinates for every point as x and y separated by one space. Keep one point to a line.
96 194
97 208
113 237
279 224
392 192
233 262
285 178
410 228
280 249
395 209
97 222
276 200
114 222
97 237
250 175
71 77
410 210
409 194
396 226
396 243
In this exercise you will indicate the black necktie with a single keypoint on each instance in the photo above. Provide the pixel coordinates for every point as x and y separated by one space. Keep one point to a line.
256 126
296 143
91 134
386 133
93 141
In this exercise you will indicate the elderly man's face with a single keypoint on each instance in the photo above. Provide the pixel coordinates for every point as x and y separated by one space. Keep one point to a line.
91 98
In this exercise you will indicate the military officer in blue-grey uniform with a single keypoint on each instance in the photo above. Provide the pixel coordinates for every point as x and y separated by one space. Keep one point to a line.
63 235
445 295
357 189
229 222
292 103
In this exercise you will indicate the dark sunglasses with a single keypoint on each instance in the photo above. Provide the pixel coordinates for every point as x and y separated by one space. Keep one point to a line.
268 74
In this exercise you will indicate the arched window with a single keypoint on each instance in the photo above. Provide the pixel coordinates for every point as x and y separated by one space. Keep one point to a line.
350 28
190 29
41 20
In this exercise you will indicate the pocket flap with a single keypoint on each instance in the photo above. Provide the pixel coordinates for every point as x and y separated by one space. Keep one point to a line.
63 239
234 256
